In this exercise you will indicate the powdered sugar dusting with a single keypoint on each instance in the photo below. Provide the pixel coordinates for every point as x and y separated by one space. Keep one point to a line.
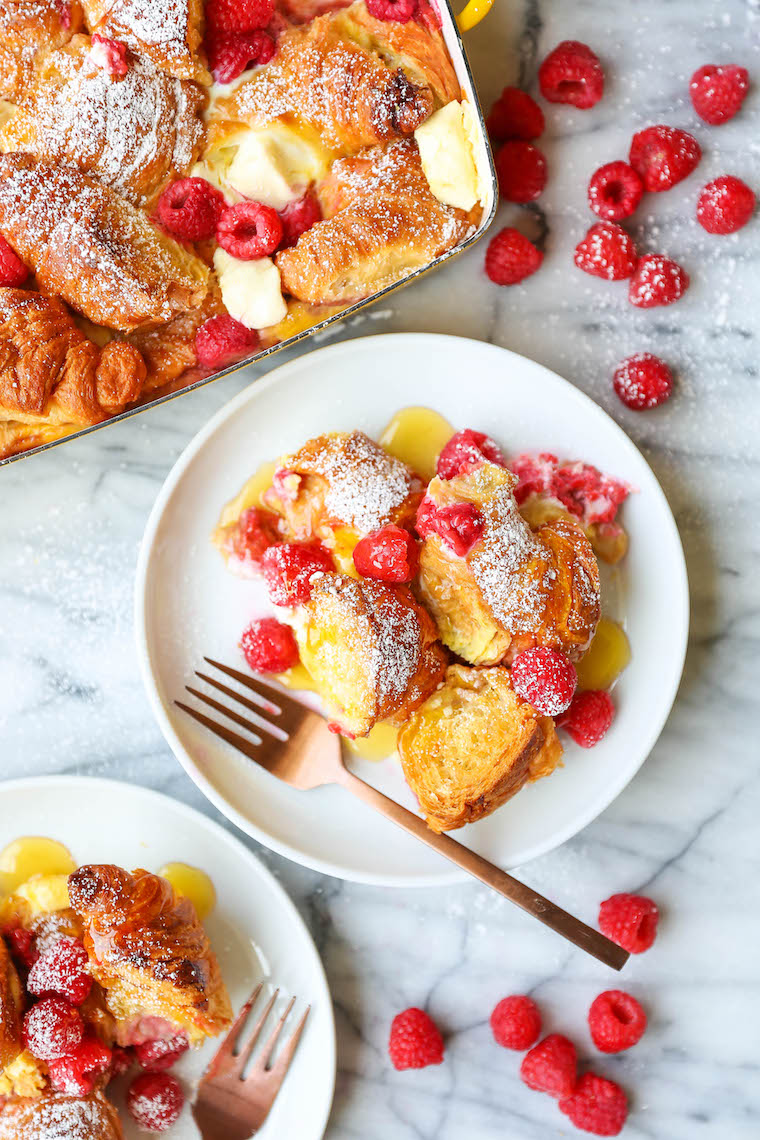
365 483
59 1119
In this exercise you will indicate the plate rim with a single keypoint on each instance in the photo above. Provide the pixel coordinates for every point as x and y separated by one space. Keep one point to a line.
280 375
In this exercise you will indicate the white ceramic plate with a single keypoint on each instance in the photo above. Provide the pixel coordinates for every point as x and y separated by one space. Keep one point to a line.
188 605
254 928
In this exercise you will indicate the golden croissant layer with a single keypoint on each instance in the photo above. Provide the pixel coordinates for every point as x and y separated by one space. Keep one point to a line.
168 32
28 29
59 1117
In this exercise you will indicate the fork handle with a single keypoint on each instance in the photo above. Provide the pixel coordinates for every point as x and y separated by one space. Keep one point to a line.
525 897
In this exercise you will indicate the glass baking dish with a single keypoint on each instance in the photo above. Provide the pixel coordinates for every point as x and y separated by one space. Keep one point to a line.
471 15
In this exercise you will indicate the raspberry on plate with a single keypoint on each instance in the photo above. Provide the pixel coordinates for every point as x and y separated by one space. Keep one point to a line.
597 1106
545 679
616 1021
725 205
718 91
572 74
298 217
516 1022
663 156
551 1066
238 15
643 381
122 1059
607 251
460 526
415 1040
515 115
289 567
155 1101
61 970
191 208
615 191
77 1075
511 257
589 717
249 230
232 53
521 170
399 10
268 647
222 340
255 531
657 281
389 554
13 272
52 1029
159 1055
465 450
630 921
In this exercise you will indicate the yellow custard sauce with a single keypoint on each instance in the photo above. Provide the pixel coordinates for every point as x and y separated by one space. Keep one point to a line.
193 884
417 436
606 657
32 856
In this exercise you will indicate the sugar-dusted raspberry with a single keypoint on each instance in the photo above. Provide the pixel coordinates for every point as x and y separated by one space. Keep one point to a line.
511 257
110 55
159 1055
61 969
572 74
77 1075
521 169
607 251
255 531
516 1022
13 272
551 1066
545 679
614 191
630 921
657 281
465 450
460 526
725 205
222 340
23 945
53 1029
298 217
718 91
597 1106
191 208
289 567
389 555
122 1060
589 717
616 1021
238 15
232 53
643 381
155 1101
268 647
399 10
249 230
663 156
415 1040
515 115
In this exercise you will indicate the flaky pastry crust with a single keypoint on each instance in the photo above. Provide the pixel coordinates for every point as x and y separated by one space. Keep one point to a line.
29 29
11 1008
168 32
55 1117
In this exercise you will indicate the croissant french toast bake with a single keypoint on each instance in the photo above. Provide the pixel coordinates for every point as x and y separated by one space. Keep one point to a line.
56 1117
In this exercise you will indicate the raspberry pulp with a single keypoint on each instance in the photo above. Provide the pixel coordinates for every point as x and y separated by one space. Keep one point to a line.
581 488
62 970
254 532
53 1029
23 945
388 555
511 257
630 921
239 15
589 717
415 1040
572 74
110 55
663 156
154 1101
515 115
607 251
643 381
616 1021
298 217
717 92
615 191
191 208
399 10
465 450
77 1075
221 340
657 281
545 679
269 647
725 205
289 567
516 1022
13 272
232 53
460 526
249 230
159 1055
521 169
597 1106
551 1066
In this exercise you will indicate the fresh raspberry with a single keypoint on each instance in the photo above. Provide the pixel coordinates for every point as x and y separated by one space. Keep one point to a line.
597 1105
154 1101
657 281
61 970
607 251
516 1022
255 531
616 1021
288 569
460 526
663 156
572 74
511 257
415 1040
428 15
159 1055
718 92
53 1029
269 647
191 208
238 15
545 679
389 555
643 381
77 1075
551 1066
580 487
615 191
23 944
630 921
465 450
298 217
589 716
122 1060
521 168
222 340
249 230
398 10
110 55
13 272
725 205
232 53
515 115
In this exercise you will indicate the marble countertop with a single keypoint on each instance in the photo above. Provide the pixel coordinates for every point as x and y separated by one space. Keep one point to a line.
685 830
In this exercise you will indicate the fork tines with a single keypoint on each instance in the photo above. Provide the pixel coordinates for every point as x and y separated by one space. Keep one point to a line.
234 1054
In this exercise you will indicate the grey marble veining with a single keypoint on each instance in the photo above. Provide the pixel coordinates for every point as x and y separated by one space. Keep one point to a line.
685 830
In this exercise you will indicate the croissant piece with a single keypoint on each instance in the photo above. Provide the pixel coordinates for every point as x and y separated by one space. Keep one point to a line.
60 1118
169 350
168 32
473 745
11 1008
383 223
28 29
132 133
150 954
94 249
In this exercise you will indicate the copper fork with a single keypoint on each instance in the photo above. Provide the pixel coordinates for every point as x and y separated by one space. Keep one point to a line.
295 744
232 1104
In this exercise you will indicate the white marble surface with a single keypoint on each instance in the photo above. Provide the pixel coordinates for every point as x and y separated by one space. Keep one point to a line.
685 830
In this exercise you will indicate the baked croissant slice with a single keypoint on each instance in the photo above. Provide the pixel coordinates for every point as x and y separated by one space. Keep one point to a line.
472 745
133 133
515 588
150 954
383 223
94 249
29 29
168 32
11 1009
60 1118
